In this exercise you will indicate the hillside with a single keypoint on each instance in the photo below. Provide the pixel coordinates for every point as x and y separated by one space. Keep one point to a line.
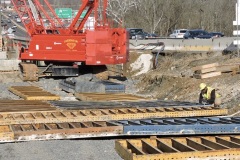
172 80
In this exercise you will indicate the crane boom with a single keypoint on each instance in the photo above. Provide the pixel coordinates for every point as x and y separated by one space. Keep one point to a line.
34 12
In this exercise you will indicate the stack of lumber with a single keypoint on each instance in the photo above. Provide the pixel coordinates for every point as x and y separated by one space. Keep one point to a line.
214 69
206 71
234 68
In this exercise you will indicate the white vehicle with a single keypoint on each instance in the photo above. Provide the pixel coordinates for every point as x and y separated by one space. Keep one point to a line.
19 20
14 26
179 33
10 35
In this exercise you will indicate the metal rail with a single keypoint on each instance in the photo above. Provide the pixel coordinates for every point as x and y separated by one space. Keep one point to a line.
124 104
71 130
98 97
180 148
107 114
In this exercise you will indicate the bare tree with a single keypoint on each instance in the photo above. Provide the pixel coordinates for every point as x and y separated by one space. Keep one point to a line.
152 12
163 16
117 9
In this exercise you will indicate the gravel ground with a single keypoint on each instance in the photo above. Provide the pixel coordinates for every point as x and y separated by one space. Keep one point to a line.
60 150
55 149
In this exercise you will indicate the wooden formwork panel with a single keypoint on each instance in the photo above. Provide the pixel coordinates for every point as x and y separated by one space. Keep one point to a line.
109 97
6 134
50 131
180 148
23 106
59 116
33 93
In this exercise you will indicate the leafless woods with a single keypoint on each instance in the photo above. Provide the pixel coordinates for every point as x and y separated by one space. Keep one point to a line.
163 16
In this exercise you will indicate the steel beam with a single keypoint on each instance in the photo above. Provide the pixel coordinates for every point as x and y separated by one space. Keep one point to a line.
183 126
51 115
68 130
142 104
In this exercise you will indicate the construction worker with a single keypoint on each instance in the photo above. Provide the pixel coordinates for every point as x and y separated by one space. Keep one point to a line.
208 95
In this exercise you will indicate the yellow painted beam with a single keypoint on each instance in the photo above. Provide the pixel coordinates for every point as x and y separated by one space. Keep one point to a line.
56 116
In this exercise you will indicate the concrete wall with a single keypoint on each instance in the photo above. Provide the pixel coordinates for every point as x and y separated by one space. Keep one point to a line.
9 65
217 44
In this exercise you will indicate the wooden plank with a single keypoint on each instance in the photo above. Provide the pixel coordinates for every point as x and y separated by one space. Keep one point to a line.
207 70
207 75
43 98
228 68
205 66
33 93
108 97
1 42
24 106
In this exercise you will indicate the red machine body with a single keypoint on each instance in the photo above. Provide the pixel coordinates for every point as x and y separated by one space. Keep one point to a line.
99 46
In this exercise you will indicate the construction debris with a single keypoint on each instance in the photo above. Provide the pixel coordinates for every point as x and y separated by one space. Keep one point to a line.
184 148
33 93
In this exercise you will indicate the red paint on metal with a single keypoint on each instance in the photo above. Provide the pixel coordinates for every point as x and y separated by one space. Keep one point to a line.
101 46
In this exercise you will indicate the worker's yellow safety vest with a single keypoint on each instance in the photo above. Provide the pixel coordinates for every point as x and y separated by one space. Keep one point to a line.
208 94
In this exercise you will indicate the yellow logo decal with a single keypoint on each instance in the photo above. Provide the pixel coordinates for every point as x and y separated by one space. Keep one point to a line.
71 43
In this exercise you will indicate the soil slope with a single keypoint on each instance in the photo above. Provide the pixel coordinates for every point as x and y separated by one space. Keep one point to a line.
172 79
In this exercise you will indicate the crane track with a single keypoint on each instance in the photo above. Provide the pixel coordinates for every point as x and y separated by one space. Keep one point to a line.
29 72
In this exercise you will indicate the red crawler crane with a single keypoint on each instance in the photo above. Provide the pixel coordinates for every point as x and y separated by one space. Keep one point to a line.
69 51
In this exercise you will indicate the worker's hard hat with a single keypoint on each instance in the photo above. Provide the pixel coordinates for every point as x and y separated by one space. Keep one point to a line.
202 86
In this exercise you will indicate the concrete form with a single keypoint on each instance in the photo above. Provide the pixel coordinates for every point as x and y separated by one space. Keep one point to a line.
180 148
